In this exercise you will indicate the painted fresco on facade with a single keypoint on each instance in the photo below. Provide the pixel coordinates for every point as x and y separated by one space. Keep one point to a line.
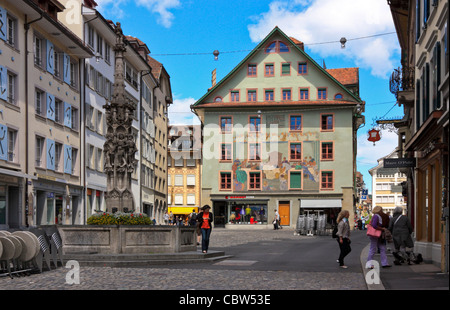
275 170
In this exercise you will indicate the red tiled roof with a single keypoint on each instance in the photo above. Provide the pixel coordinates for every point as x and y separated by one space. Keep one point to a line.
298 43
345 76
156 66
131 39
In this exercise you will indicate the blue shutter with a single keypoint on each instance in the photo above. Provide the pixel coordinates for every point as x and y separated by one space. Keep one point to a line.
67 159
3 24
50 57
3 142
3 83
66 68
67 115
438 74
50 154
50 106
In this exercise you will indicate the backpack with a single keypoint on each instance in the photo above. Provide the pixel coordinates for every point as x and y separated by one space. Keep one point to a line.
193 218
334 233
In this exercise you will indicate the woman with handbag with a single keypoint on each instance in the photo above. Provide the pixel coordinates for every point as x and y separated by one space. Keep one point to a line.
374 231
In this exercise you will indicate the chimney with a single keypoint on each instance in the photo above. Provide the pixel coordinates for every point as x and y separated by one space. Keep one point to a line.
298 43
213 78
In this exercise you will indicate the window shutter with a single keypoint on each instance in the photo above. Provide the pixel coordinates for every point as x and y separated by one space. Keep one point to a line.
67 115
67 159
191 199
178 199
3 142
3 24
50 106
418 20
3 83
438 75
50 154
50 57
417 107
66 68
190 179
296 180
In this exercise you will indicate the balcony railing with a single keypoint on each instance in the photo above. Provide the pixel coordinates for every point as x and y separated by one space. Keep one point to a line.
402 79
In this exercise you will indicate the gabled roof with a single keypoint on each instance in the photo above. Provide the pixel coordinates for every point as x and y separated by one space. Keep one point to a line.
295 44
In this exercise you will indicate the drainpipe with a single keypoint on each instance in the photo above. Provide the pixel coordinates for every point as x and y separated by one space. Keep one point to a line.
83 136
147 72
154 126
27 27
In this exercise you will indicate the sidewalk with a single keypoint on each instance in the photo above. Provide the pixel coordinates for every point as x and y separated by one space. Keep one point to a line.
423 276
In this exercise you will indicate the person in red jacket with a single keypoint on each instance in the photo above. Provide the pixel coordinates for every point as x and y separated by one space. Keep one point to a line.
205 219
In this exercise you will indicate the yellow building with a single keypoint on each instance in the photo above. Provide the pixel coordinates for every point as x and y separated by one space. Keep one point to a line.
387 186
184 161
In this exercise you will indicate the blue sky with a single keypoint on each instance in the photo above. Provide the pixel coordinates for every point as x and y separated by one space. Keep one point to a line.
182 34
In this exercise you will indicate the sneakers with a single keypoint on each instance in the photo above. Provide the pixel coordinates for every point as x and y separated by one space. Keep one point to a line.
343 267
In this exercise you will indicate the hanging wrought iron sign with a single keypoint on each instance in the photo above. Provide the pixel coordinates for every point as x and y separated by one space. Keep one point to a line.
374 135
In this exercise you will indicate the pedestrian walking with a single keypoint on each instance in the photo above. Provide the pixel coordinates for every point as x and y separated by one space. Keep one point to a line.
377 242
170 218
276 221
205 218
343 234
166 218
401 230
193 218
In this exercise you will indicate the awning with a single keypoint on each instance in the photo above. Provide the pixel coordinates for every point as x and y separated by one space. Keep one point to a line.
17 174
320 203
182 210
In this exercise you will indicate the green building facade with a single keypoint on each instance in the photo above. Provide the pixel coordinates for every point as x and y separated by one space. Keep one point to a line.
279 134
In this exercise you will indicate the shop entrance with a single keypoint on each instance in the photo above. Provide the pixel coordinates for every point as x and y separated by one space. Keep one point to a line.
59 210
220 211
284 212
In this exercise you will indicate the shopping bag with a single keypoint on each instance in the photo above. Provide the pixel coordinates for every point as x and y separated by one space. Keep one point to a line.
372 232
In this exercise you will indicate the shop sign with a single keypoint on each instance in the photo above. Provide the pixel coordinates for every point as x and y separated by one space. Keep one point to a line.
399 162
239 197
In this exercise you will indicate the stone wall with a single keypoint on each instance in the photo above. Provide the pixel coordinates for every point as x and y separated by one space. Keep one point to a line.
127 239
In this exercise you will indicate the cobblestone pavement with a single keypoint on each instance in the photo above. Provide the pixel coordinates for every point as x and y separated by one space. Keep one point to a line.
174 278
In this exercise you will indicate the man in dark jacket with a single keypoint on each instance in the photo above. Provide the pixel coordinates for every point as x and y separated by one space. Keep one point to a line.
401 229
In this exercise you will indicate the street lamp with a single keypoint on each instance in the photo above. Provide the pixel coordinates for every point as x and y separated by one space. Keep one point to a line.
343 41
216 54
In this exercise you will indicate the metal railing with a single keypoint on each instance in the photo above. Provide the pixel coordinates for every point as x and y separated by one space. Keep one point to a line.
402 79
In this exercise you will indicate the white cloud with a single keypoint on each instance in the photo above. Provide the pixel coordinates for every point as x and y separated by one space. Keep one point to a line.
328 21
180 112
160 7
369 153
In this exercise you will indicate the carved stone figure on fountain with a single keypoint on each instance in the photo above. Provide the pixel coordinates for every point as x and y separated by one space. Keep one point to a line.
119 147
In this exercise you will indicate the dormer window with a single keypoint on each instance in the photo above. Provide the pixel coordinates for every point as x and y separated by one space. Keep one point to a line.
277 47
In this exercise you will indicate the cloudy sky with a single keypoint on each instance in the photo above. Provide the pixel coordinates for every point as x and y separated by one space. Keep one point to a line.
182 34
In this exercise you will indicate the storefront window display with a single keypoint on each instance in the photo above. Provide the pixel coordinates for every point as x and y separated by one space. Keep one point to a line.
247 213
